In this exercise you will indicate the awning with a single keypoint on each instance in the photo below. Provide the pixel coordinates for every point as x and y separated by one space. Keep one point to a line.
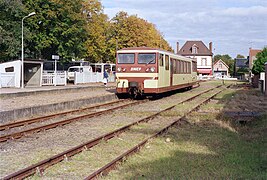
204 71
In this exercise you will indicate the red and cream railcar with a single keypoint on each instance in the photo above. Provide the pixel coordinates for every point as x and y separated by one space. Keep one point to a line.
148 71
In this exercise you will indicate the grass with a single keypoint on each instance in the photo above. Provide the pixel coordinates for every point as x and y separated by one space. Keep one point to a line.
209 147
196 152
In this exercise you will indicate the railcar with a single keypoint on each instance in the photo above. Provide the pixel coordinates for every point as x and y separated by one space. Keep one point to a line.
148 71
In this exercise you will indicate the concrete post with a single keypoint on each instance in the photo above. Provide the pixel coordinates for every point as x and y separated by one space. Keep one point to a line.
265 79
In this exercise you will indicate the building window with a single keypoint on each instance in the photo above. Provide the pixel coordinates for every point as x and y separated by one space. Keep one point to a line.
203 61
194 49
9 69
220 65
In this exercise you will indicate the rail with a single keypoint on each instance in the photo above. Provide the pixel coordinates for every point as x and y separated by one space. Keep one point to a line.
20 134
108 167
41 166
44 118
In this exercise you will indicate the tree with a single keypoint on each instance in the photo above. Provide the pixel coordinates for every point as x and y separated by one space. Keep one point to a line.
57 28
72 29
240 56
132 31
97 29
258 65
11 14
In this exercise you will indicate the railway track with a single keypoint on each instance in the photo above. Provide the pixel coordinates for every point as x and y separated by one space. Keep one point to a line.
41 166
20 134
111 165
45 118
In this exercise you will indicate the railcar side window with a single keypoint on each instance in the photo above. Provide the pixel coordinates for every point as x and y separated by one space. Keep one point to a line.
189 67
160 59
146 58
174 66
126 58
179 66
182 67
194 66
166 62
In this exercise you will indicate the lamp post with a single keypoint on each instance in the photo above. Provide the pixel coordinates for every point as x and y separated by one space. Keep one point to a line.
22 49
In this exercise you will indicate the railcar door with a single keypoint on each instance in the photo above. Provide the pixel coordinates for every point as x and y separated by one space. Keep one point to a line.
167 70
164 68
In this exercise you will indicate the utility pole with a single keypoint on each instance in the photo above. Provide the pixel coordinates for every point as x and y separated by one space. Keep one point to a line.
22 49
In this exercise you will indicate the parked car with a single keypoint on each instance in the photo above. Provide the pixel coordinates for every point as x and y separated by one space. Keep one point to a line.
80 69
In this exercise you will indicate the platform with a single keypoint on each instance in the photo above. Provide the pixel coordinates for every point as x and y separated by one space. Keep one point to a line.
16 92
17 104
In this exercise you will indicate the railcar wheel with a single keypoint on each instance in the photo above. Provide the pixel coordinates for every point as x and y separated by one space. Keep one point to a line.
122 96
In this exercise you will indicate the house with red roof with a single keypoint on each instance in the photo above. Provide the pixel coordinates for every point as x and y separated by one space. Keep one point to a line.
221 69
252 56
199 51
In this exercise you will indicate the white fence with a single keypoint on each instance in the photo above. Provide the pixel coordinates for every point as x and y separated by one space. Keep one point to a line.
262 79
54 79
87 77
205 77
7 79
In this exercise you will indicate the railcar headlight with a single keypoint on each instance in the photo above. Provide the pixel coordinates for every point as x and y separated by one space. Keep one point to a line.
119 69
152 69
124 69
147 69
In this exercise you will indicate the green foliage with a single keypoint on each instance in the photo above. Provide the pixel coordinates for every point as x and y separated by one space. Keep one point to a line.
132 31
72 29
224 57
58 28
258 65
242 70
97 29
10 28
240 56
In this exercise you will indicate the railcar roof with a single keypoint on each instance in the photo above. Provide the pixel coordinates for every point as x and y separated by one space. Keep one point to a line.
142 49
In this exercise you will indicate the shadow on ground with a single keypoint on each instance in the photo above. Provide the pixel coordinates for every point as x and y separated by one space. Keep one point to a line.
215 146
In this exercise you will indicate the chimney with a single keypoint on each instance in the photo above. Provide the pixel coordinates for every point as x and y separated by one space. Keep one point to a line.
177 47
210 46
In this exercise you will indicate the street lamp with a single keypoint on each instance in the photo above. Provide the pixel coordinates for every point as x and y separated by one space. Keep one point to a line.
22 50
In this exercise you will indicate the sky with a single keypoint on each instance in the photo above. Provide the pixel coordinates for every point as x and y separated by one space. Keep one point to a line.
233 26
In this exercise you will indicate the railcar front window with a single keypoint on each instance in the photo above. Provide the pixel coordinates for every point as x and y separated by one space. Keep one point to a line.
126 59
146 58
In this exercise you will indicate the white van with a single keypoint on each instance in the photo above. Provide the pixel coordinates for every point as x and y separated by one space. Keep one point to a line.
78 69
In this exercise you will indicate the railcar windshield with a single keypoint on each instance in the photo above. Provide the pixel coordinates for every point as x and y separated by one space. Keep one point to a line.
146 58
125 58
